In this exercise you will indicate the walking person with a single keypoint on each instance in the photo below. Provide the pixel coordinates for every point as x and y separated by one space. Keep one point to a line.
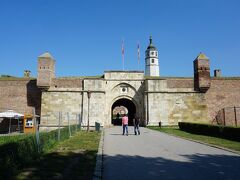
136 122
125 124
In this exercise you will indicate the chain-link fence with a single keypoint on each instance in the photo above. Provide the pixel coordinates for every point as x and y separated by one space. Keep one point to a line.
19 121
18 149
45 130
15 121
27 136
55 120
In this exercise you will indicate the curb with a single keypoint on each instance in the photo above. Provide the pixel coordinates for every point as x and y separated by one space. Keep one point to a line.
99 160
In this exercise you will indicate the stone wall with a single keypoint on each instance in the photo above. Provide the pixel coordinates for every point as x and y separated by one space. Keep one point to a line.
180 83
96 101
67 82
66 95
123 75
171 108
19 94
171 103
96 108
55 102
224 92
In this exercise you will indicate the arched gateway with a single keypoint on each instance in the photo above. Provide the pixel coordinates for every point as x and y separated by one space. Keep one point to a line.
120 107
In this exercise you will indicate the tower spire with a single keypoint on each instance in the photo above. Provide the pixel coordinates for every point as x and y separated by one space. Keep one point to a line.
150 39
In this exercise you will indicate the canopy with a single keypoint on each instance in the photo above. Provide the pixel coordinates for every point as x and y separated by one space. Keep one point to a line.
10 114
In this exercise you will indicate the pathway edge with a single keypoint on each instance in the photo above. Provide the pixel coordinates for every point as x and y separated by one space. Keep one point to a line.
99 159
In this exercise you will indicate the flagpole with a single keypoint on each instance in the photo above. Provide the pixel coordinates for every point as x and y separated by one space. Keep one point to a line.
123 53
138 51
123 62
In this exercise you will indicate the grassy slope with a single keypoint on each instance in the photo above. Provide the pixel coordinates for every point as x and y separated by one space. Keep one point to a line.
71 159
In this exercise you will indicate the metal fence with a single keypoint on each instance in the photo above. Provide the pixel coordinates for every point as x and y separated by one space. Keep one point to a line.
228 116
56 120
47 122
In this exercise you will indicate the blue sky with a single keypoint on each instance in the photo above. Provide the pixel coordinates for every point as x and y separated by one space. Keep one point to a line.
85 37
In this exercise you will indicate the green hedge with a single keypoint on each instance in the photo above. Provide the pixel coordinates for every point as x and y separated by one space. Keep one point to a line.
16 152
226 132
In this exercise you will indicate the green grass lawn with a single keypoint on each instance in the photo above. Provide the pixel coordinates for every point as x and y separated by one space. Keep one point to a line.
73 158
233 145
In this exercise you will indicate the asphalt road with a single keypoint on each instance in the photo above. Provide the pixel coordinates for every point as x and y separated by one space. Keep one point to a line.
155 155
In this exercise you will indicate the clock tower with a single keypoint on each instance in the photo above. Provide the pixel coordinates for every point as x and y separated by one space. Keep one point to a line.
151 60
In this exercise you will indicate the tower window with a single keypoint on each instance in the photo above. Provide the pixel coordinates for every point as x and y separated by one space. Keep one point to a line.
156 53
152 60
152 53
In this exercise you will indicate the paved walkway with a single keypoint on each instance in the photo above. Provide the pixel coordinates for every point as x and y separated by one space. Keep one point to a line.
155 155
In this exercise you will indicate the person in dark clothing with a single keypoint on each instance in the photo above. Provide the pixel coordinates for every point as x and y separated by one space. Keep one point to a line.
117 119
136 122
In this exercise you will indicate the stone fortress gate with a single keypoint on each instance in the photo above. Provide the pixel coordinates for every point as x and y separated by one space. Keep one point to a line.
153 98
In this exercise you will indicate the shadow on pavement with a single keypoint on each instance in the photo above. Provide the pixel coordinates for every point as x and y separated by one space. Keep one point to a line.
130 134
199 166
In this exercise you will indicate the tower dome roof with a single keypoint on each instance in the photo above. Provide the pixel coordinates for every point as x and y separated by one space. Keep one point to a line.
151 46
201 56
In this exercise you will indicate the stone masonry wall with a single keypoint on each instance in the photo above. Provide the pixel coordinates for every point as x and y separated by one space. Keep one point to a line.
67 82
171 108
180 83
54 102
172 105
224 92
96 109
65 97
96 101
20 94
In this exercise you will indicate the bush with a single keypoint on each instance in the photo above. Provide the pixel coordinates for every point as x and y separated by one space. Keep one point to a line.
226 132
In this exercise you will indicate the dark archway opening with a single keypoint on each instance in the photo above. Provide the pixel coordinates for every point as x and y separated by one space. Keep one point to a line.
119 108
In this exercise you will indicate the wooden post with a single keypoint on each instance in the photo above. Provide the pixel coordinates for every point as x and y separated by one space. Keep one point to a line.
235 113
89 96
69 127
10 123
224 123
59 121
